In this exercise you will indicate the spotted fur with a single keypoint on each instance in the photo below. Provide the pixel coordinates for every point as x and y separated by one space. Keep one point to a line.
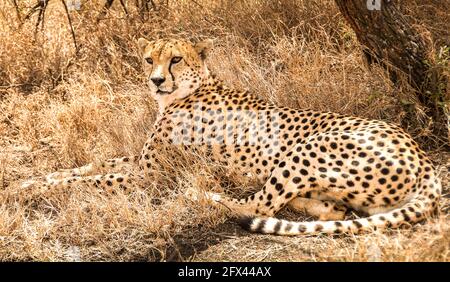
321 163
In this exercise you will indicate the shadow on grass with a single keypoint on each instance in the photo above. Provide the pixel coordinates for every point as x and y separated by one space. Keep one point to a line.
196 239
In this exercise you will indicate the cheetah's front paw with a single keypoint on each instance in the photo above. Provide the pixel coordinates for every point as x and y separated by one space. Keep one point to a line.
196 195
60 174
28 184
32 187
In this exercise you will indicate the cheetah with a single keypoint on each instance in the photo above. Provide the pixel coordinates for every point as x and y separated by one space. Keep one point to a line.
320 163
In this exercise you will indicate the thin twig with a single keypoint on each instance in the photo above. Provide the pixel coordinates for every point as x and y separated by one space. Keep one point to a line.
17 10
71 26
153 4
40 19
43 14
40 6
33 10
124 7
198 4
66 69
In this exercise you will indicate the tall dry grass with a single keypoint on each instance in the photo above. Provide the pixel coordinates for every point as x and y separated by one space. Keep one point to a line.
60 108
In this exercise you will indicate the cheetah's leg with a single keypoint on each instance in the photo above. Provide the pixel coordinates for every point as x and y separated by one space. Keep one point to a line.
281 188
266 202
117 163
323 210
109 182
298 175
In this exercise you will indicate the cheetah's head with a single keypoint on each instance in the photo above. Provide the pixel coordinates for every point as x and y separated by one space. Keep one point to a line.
174 68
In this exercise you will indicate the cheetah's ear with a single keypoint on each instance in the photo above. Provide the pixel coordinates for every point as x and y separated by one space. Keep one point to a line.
203 47
142 43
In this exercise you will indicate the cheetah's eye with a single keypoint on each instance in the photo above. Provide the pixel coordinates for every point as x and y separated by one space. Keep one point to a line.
149 60
176 60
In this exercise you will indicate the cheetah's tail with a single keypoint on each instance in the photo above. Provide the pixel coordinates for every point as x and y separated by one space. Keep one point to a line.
420 207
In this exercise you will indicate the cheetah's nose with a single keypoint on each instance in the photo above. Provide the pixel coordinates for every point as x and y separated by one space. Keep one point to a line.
158 80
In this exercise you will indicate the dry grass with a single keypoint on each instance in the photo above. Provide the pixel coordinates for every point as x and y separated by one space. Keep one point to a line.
60 110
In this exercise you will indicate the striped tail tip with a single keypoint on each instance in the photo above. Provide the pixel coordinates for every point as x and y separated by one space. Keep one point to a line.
260 225
246 222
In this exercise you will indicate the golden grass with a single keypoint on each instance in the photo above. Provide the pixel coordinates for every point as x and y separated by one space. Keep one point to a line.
59 110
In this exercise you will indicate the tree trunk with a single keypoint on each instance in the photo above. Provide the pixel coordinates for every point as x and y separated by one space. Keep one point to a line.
388 39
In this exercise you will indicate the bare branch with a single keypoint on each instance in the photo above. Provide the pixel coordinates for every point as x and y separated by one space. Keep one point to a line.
71 26
17 11
33 10
122 2
40 7
43 14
